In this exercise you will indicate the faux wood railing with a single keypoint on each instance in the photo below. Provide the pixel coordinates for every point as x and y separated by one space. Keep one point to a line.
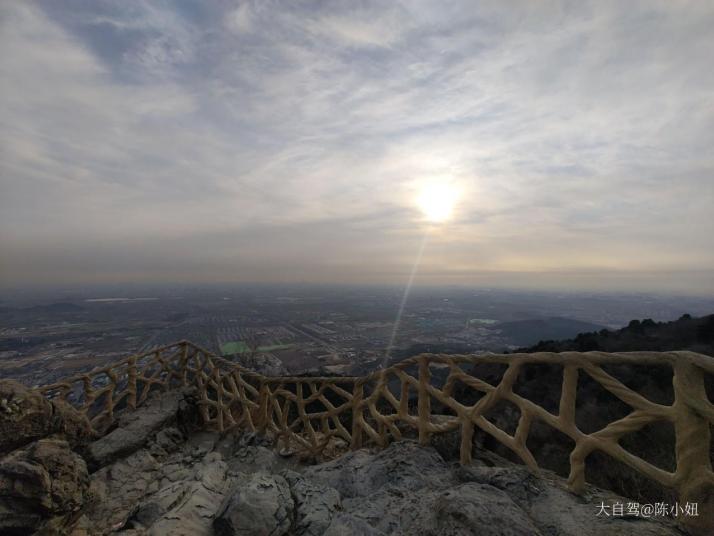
306 414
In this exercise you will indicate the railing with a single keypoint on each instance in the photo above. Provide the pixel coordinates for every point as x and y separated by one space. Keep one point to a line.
306 414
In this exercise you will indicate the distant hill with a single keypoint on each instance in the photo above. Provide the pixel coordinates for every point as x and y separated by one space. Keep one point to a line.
686 333
525 332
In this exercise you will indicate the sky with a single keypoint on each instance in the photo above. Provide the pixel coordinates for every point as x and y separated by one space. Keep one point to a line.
193 141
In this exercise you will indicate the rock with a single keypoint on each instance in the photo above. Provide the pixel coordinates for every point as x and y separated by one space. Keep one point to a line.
407 489
120 487
255 459
188 507
179 492
39 482
263 506
481 510
160 479
517 481
558 512
134 428
188 416
26 415
70 424
561 513
253 439
344 524
165 442
169 439
179 497
403 465
315 505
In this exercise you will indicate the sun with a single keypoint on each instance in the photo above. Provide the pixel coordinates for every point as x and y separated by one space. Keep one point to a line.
437 201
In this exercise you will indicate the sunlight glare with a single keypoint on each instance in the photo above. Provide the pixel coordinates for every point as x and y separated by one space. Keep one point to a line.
437 201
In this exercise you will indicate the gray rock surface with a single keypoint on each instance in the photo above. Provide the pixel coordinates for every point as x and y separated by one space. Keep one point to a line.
344 524
41 481
555 510
135 428
480 509
188 506
208 484
402 466
154 490
26 416
406 489
315 505
262 506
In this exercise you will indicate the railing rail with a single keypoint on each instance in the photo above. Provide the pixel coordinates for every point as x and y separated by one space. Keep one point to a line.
305 414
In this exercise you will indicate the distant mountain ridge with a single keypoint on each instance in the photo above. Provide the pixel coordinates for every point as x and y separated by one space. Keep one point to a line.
685 333
531 331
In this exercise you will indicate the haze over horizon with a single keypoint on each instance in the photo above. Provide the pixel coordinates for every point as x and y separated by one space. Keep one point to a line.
293 142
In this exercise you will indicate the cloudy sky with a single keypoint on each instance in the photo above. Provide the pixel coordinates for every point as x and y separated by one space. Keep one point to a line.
195 141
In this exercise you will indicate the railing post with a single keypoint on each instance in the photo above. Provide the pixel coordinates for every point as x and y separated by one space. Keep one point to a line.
183 364
695 480
424 400
219 399
263 408
467 434
357 396
131 383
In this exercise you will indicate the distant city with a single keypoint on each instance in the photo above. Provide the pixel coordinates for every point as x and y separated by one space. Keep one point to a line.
336 330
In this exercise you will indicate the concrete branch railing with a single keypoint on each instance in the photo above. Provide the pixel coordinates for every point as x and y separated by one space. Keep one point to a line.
306 414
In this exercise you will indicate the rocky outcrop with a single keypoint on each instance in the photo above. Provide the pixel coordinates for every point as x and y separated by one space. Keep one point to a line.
315 505
237 485
410 490
42 481
479 509
174 484
26 415
262 506
135 428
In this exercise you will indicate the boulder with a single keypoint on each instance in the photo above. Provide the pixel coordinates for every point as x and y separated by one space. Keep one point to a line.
41 481
315 505
263 506
26 415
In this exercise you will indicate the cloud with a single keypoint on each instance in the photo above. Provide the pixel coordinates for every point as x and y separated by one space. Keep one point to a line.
579 135
240 19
